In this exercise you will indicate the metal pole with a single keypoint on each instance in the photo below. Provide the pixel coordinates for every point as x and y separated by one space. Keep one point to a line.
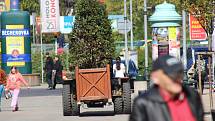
126 37
184 46
41 51
33 34
200 75
33 16
67 58
210 70
55 46
132 34
146 43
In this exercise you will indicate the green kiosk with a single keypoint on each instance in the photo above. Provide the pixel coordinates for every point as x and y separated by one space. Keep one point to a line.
165 31
16 43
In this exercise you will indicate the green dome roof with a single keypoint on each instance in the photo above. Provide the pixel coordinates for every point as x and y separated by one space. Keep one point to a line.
165 13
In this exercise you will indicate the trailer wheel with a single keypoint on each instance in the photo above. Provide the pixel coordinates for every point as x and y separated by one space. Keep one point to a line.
67 105
126 96
118 105
75 107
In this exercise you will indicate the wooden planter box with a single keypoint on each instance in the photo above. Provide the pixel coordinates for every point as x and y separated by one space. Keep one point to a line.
93 84
32 79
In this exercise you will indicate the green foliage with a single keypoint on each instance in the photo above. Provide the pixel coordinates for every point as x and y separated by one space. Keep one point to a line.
203 11
36 62
34 6
141 59
91 41
30 5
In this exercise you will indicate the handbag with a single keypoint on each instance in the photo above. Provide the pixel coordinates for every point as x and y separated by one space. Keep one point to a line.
7 94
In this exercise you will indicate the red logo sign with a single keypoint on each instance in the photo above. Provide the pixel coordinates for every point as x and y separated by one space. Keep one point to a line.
197 32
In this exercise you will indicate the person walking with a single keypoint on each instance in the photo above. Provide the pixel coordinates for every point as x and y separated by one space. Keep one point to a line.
57 71
168 99
14 82
48 70
3 79
119 68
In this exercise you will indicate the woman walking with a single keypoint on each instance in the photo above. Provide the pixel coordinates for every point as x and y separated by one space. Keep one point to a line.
3 79
14 82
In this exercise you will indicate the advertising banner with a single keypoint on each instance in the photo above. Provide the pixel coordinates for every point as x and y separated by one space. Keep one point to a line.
38 25
161 34
174 48
154 50
7 3
15 43
163 49
172 33
197 32
50 16
66 24
174 44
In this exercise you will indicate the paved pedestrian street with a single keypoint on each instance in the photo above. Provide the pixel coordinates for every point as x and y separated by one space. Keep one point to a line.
40 104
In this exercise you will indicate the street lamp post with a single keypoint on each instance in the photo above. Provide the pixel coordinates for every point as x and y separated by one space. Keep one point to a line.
131 17
146 44
33 23
184 45
126 37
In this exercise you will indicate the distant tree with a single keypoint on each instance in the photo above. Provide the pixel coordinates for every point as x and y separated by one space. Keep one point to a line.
203 11
34 6
30 6
91 44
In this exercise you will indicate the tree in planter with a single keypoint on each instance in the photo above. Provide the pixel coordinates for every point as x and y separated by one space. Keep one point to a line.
91 42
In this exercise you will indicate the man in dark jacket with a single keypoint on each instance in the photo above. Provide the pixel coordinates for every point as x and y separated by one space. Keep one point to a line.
168 99
48 69
57 70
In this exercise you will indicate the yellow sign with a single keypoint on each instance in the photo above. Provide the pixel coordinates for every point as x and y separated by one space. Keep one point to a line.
172 33
7 3
15 47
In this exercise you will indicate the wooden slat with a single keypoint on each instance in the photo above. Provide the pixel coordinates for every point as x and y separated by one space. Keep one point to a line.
93 84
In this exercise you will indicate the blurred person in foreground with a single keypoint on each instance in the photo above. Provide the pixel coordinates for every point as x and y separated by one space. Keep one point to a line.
168 99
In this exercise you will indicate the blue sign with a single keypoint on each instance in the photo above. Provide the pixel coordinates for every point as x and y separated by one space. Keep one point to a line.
14 4
67 24
115 17
15 32
19 58
69 21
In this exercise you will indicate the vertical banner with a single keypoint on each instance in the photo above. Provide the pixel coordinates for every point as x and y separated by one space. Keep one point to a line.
172 33
50 16
38 25
7 3
197 32
174 44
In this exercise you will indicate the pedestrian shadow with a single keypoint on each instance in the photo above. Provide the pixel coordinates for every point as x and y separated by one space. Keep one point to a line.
40 92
